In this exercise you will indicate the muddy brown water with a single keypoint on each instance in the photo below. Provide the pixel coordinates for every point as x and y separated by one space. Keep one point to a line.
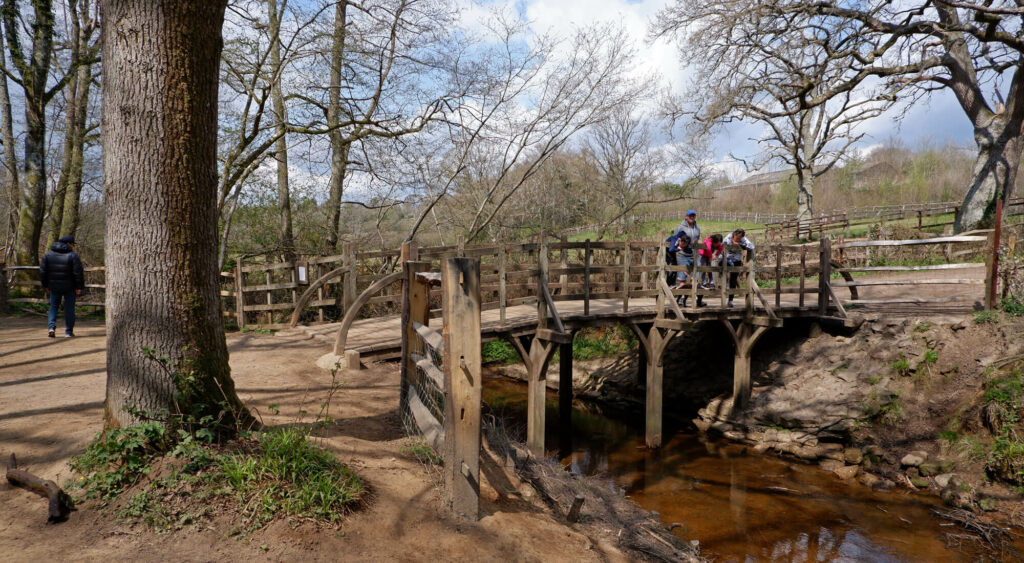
741 506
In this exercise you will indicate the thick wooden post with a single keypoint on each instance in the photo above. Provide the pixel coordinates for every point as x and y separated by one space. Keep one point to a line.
778 277
240 293
586 278
992 273
349 285
502 278
269 316
824 275
563 278
461 309
659 299
415 308
410 251
542 281
744 337
643 271
655 391
3 288
749 295
625 277
803 273
564 387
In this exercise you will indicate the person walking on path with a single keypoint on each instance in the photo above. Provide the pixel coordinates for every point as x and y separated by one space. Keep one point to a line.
63 278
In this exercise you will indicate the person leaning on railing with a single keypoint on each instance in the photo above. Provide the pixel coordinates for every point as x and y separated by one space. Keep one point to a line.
734 256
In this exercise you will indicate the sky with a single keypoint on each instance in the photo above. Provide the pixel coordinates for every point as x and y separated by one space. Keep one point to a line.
936 122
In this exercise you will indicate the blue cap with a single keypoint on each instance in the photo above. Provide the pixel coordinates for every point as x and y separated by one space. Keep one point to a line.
691 212
67 240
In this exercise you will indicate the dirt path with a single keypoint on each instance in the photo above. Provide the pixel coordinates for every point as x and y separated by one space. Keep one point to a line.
51 400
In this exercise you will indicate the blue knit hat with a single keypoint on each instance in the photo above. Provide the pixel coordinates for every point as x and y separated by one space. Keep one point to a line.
67 240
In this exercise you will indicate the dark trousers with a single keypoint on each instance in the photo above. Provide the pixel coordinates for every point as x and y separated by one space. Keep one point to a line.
68 296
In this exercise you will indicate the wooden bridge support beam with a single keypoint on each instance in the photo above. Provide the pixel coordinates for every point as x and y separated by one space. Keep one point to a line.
743 337
536 352
565 398
654 338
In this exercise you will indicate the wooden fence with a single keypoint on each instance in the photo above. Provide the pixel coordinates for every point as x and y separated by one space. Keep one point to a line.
442 402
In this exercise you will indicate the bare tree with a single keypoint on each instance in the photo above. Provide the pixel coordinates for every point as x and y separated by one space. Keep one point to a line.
160 85
973 49
64 215
630 167
748 70
521 105
32 74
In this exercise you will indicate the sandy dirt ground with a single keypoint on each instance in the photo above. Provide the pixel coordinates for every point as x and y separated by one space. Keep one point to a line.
51 400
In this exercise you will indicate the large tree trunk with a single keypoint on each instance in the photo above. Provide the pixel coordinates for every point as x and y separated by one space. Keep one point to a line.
73 193
10 174
280 124
34 74
804 195
995 173
159 127
339 146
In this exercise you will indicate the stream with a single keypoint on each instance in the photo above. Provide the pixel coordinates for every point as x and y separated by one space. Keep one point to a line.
741 506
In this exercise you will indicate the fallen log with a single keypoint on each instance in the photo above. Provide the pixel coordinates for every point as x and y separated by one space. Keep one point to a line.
60 503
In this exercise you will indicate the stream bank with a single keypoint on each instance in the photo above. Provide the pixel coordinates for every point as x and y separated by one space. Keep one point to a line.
928 407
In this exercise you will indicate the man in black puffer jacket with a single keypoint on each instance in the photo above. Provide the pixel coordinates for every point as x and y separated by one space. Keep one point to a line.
62 277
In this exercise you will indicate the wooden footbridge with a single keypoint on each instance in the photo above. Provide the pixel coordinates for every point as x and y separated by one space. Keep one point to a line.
441 371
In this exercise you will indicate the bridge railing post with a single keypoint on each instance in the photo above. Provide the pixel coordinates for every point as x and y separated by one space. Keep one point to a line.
825 272
3 288
460 280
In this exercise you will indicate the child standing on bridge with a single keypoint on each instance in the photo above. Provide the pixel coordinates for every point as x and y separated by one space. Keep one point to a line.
734 256
708 250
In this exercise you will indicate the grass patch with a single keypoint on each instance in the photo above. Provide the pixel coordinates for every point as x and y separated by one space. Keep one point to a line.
602 342
902 366
498 352
1004 403
281 472
986 317
267 475
885 408
422 451
1012 305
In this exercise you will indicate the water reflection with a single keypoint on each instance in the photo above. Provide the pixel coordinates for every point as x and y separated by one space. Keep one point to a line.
741 506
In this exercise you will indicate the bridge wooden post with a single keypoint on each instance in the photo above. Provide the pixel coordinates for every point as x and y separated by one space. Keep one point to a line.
415 307
744 337
563 278
349 285
3 289
824 274
239 295
565 386
535 353
460 280
654 338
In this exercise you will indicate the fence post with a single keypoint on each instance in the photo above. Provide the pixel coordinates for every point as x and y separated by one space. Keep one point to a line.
824 275
542 280
778 277
415 307
462 378
586 278
992 274
349 285
3 288
625 277
502 278
659 296
240 293
563 279
751 282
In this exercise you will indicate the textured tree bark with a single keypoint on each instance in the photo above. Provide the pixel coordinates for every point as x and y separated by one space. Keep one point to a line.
995 173
339 148
34 73
280 123
805 195
159 126
7 135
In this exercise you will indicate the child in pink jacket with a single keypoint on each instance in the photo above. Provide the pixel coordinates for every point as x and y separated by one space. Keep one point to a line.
708 250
